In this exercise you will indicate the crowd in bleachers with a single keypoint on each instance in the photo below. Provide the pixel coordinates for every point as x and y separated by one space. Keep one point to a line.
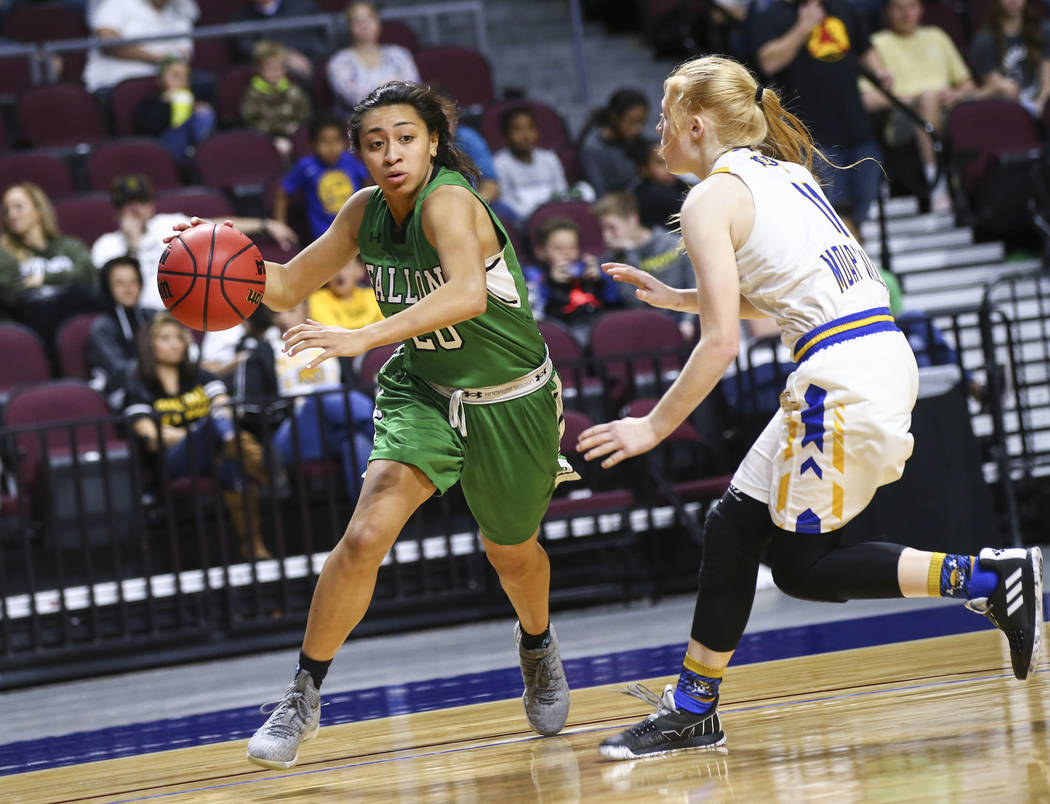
98 162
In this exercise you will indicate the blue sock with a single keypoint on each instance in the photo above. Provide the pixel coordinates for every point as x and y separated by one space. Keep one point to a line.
982 581
697 692
961 576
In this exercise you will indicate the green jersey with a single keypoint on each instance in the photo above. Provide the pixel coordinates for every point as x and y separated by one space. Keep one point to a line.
495 347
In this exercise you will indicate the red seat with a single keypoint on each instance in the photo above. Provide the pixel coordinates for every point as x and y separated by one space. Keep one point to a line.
570 164
228 94
50 173
460 72
636 350
370 362
553 133
87 216
126 97
16 75
579 211
942 16
132 156
238 159
31 365
212 55
215 12
397 33
567 356
48 24
72 343
200 201
59 115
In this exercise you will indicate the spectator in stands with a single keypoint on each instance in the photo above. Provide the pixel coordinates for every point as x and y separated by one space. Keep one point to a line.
606 138
45 277
141 231
327 177
659 192
651 249
344 301
272 103
1010 54
305 45
336 424
470 142
173 114
928 74
565 284
814 50
528 175
113 343
358 69
179 412
127 19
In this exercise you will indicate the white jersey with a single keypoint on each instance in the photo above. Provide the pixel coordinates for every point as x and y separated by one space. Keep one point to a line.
800 265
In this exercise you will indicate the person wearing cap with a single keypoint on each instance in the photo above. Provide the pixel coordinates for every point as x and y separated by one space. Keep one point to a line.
141 231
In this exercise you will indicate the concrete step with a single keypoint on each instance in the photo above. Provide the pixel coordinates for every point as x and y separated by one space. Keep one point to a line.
924 241
962 276
939 258
930 222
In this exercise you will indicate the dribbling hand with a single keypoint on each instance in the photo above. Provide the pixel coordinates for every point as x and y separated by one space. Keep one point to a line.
650 289
182 226
618 440
333 341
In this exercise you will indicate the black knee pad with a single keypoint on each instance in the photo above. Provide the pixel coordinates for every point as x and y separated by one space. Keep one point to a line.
816 567
737 528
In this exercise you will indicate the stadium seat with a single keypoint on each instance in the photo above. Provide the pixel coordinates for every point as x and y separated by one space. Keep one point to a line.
212 55
59 115
240 162
132 156
228 94
943 17
568 358
31 366
397 33
126 97
654 344
553 133
200 201
72 343
215 12
16 76
458 71
368 365
48 23
570 164
578 211
50 173
87 216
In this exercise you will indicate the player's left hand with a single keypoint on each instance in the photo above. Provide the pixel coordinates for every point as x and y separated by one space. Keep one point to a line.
182 226
333 341
618 440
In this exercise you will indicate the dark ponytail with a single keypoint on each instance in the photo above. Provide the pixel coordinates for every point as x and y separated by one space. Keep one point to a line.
432 108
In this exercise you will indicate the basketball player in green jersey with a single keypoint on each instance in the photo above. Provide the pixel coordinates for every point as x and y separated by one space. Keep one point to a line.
470 395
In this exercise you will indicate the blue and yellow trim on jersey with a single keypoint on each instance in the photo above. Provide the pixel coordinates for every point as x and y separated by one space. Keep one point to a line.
855 325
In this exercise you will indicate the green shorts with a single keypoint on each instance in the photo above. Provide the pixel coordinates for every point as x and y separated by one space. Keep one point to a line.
508 462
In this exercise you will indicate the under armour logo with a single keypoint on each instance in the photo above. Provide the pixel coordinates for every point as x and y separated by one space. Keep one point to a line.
375 237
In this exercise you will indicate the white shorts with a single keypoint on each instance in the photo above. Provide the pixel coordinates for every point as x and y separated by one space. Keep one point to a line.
840 433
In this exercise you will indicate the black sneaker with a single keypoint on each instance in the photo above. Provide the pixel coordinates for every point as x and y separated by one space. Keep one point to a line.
666 730
1015 607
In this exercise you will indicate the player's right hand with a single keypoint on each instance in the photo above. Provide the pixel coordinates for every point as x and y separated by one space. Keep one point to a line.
182 226
650 289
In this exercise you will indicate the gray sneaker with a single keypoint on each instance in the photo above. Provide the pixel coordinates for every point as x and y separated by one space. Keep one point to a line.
546 693
295 719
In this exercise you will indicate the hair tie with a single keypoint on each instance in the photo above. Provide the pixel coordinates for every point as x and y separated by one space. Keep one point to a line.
758 94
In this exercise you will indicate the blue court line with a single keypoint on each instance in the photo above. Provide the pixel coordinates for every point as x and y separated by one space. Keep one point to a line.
494 685
594 730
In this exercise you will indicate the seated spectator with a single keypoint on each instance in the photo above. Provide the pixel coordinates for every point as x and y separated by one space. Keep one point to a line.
528 175
473 145
179 413
127 19
928 74
659 192
651 249
272 103
344 301
337 424
606 138
304 45
113 343
358 69
45 277
173 114
327 177
1010 54
141 232
565 284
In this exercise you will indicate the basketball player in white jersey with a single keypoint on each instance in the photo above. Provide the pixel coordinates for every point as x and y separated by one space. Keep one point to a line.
764 241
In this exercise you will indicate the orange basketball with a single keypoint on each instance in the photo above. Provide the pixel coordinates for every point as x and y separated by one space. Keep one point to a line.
211 277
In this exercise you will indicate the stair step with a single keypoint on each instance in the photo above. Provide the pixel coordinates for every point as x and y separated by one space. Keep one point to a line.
930 222
963 276
939 258
924 241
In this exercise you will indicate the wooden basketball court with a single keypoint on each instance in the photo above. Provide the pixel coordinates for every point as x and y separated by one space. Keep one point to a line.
929 720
